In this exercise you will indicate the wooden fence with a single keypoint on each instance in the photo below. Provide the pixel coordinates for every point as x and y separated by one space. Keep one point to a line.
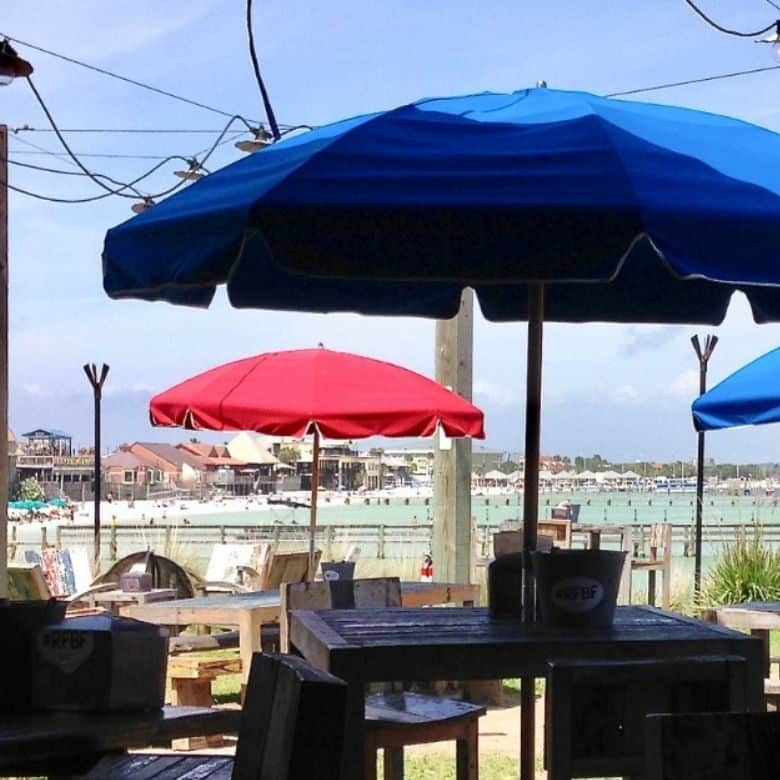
379 541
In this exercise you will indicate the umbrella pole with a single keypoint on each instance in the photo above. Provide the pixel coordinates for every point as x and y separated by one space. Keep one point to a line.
315 479
533 414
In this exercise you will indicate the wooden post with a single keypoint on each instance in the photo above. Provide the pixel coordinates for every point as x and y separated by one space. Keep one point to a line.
4 362
452 467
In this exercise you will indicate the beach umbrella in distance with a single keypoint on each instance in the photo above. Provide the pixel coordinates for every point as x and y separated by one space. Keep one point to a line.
749 396
319 392
551 205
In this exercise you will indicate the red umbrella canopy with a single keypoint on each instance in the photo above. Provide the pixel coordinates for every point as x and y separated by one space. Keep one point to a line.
341 395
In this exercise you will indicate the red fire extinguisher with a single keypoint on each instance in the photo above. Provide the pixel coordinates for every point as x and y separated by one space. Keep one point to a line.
426 570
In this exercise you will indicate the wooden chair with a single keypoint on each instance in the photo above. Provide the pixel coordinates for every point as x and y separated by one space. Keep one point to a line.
165 572
595 711
26 582
292 728
707 746
560 530
288 567
393 720
659 559
508 542
235 568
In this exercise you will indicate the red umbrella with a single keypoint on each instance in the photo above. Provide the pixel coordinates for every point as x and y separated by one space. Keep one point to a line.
319 392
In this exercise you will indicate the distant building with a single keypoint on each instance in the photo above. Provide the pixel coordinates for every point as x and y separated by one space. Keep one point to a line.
47 454
178 467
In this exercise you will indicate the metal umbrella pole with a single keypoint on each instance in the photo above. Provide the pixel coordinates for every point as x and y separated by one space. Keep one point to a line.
704 356
533 416
97 381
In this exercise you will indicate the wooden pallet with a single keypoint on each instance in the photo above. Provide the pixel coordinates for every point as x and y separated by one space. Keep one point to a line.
191 679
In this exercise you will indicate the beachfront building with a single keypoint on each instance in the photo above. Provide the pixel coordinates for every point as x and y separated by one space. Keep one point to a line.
127 475
178 468
267 469
221 470
47 454
419 462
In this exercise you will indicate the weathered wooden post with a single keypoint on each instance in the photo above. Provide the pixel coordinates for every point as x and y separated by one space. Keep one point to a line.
452 462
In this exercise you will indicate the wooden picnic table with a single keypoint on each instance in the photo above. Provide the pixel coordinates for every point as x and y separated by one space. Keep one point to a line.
362 646
758 617
118 600
250 611
45 743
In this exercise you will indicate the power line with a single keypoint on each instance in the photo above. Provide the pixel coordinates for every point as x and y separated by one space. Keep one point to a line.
774 5
120 130
726 30
120 77
688 82
269 112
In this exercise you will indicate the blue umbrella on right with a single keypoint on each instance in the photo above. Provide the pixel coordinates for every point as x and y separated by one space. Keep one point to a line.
750 396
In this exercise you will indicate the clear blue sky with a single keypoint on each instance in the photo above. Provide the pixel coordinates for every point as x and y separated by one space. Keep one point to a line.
623 392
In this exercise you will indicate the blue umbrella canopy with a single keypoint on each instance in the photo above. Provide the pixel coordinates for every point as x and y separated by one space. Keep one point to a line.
674 208
750 396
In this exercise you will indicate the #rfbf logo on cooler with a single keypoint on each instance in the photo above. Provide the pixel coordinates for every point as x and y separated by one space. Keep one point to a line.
577 594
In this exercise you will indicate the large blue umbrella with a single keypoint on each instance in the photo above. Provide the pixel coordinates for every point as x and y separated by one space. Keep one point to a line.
750 396
493 190
551 205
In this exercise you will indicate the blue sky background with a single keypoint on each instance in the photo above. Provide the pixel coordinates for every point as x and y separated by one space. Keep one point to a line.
624 392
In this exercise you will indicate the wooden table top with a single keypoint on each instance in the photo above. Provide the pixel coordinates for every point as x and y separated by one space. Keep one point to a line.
751 614
466 644
226 607
39 740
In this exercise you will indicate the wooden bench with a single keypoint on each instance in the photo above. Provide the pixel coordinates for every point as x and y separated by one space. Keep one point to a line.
705 746
292 728
595 711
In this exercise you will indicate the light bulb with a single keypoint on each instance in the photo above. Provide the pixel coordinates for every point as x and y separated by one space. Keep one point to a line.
144 205
190 174
261 139
5 78
776 51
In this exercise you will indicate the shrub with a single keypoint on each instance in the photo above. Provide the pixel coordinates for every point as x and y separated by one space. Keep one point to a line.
31 490
745 570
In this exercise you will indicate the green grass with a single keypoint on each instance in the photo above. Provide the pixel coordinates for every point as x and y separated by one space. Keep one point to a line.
492 766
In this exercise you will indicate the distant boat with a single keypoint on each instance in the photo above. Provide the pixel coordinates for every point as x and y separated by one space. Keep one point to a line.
675 485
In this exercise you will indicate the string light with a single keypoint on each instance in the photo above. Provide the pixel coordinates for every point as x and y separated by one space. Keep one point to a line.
144 205
12 66
194 172
261 138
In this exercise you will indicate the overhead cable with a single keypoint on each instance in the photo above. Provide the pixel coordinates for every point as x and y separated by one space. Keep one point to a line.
688 82
269 112
128 80
726 30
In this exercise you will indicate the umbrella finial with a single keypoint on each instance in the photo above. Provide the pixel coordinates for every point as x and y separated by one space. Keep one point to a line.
541 84
320 345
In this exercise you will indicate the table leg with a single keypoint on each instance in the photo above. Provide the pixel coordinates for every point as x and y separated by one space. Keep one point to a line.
763 635
248 639
594 542
355 756
527 728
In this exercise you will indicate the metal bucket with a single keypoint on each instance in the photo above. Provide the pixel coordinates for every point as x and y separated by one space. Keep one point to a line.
577 587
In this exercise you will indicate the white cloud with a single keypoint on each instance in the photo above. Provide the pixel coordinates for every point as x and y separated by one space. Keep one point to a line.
627 393
495 392
685 385
36 391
